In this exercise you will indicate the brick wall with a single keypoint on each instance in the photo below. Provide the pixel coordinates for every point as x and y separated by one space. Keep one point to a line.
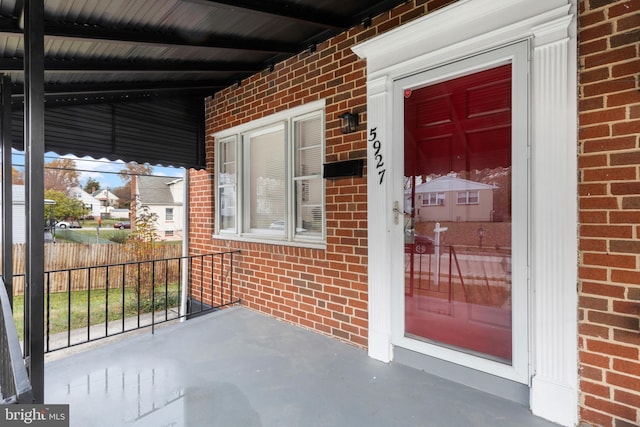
325 290
609 199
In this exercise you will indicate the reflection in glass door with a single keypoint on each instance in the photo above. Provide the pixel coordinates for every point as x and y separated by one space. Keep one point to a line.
458 192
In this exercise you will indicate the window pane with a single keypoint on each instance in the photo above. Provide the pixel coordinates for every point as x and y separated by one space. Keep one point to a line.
308 180
308 136
267 188
227 200
227 185
458 277
309 207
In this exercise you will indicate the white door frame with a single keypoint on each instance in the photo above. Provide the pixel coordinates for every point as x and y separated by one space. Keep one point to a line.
461 30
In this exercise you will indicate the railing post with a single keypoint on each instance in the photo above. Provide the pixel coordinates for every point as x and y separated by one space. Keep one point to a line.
34 178
7 189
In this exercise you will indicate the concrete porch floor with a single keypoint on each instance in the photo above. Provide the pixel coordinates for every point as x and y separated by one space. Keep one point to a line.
237 368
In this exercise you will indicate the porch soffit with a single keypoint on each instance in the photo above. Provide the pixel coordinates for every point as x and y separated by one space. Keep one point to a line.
117 52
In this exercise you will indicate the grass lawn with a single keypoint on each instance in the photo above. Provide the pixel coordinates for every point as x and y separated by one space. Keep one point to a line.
79 303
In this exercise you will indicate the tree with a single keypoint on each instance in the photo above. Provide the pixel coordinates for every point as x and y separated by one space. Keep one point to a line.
124 194
60 175
17 176
65 207
142 242
91 186
134 169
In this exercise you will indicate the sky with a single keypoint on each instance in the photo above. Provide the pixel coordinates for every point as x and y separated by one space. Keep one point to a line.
102 170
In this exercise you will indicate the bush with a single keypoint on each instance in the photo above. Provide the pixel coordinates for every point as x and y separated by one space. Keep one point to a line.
118 237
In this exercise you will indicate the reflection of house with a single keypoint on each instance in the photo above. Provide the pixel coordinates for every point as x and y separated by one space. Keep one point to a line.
449 198
163 196
107 199
91 204
18 225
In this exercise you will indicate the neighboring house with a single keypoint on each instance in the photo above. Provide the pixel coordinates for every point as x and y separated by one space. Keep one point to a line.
449 198
108 200
453 86
91 204
164 197
18 220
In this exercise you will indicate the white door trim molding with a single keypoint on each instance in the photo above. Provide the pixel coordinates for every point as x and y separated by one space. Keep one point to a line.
464 29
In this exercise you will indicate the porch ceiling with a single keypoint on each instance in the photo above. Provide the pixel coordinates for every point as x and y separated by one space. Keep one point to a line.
107 51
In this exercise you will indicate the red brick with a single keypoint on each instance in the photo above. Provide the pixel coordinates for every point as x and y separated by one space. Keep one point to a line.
626 307
610 407
594 331
609 348
594 75
595 389
596 418
603 290
619 231
627 367
610 56
630 127
610 174
627 398
594 161
614 320
594 359
608 86
589 273
625 276
593 245
591 18
598 203
591 373
622 8
593 303
624 381
600 116
631 203
625 246
628 337
609 144
606 260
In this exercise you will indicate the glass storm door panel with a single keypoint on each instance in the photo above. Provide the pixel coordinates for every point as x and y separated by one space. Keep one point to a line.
457 196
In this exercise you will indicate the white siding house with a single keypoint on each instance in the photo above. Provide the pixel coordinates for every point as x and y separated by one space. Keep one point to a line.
91 203
164 197
19 225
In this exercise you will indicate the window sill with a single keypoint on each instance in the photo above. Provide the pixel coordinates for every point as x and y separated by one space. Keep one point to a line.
322 245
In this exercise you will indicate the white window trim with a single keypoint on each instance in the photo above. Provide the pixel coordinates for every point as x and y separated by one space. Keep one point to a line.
288 117
457 31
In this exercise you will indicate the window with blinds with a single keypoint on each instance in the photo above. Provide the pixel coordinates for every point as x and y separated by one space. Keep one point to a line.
269 178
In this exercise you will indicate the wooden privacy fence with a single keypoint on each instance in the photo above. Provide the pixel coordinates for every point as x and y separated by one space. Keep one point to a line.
86 258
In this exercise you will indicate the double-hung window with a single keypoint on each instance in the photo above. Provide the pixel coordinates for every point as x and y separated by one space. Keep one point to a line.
269 177
433 199
471 197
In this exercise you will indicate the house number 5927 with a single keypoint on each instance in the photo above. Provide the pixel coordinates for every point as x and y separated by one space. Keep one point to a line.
376 145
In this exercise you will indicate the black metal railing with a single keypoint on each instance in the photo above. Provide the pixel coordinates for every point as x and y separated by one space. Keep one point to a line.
92 303
15 386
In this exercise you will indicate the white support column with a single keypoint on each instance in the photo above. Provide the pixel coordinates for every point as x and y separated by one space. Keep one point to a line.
554 215
379 139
